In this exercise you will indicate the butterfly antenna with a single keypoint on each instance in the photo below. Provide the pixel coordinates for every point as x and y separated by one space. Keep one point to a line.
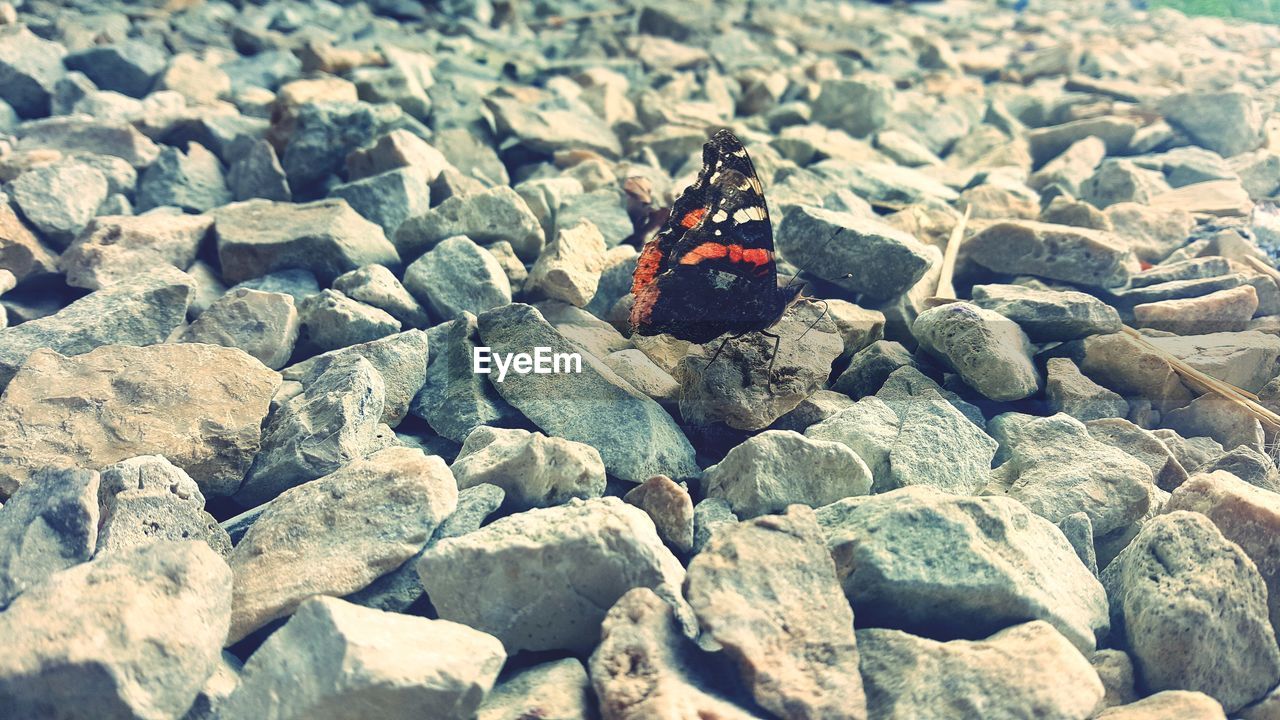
814 324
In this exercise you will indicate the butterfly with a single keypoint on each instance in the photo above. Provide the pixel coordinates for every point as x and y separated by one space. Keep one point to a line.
711 269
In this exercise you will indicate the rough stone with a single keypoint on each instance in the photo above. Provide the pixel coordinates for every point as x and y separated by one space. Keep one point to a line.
377 286
1222 311
264 325
190 180
400 359
486 217
129 67
147 499
119 247
1048 315
1142 444
570 265
31 66
1181 704
59 199
1077 255
1068 391
388 198
554 690
454 400
532 469
669 506
330 320
1229 123
1124 365
457 276
990 352
48 525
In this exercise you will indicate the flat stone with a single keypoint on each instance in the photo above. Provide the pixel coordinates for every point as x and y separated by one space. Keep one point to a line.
120 247
669 506
1217 417
571 405
547 129
644 665
589 554
855 253
78 134
60 199
1056 469
487 217
1168 704
1049 142
1047 315
644 375
60 409
1244 359
1076 255
569 266
31 67
1025 666
49 524
1243 461
1245 515
396 150
333 422
401 359
1181 289
1068 391
457 276
330 321
338 659
1071 167
1229 123
165 599
264 325
1198 622
1222 311
325 237
553 689
990 352
454 400
766 591
1152 233
128 67
388 198
1126 366
21 253
532 469
1142 444
755 380
192 181
760 477
377 286
948 567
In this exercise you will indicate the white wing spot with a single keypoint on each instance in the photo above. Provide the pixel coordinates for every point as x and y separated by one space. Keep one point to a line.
720 216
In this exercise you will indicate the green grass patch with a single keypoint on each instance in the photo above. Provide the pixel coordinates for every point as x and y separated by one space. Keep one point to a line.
1256 10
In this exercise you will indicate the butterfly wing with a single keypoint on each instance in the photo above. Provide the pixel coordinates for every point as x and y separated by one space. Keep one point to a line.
711 268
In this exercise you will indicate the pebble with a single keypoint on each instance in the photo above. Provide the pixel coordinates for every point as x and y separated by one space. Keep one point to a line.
393 151
172 598
330 320
49 524
1225 648
263 324
930 563
1027 665
341 659
60 199
114 248
377 286
991 353
1076 255
757 477
669 506
486 217
664 449
388 198
144 389
1046 315
569 266
1068 391
324 133
192 181
326 237
336 534
589 554
533 470
766 591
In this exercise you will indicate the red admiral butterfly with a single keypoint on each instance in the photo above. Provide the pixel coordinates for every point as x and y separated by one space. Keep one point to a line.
710 270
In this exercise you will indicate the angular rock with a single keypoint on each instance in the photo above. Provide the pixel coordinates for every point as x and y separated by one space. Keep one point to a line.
1048 315
855 253
1077 255
333 422
1123 364
1049 142
589 554
1244 359
388 198
669 506
1229 123
1068 391
1192 609
644 375
377 286
1222 311
401 360
990 352
1056 469
458 276
336 659
396 150
61 408
257 173
324 133
1118 181
1168 704
21 253
757 379
870 367
936 445
870 428
330 321
569 267
1152 233
571 405
1245 515
129 67
30 66
78 134
1244 462
1072 167
766 591
335 535
59 199
777 468
547 128
114 248
264 325
1142 444
644 667
167 599
148 499
454 400
48 525
326 237
192 181
532 469
555 690
486 217
951 567
1025 666
859 107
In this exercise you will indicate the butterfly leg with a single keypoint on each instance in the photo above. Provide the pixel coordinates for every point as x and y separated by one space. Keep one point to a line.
716 354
